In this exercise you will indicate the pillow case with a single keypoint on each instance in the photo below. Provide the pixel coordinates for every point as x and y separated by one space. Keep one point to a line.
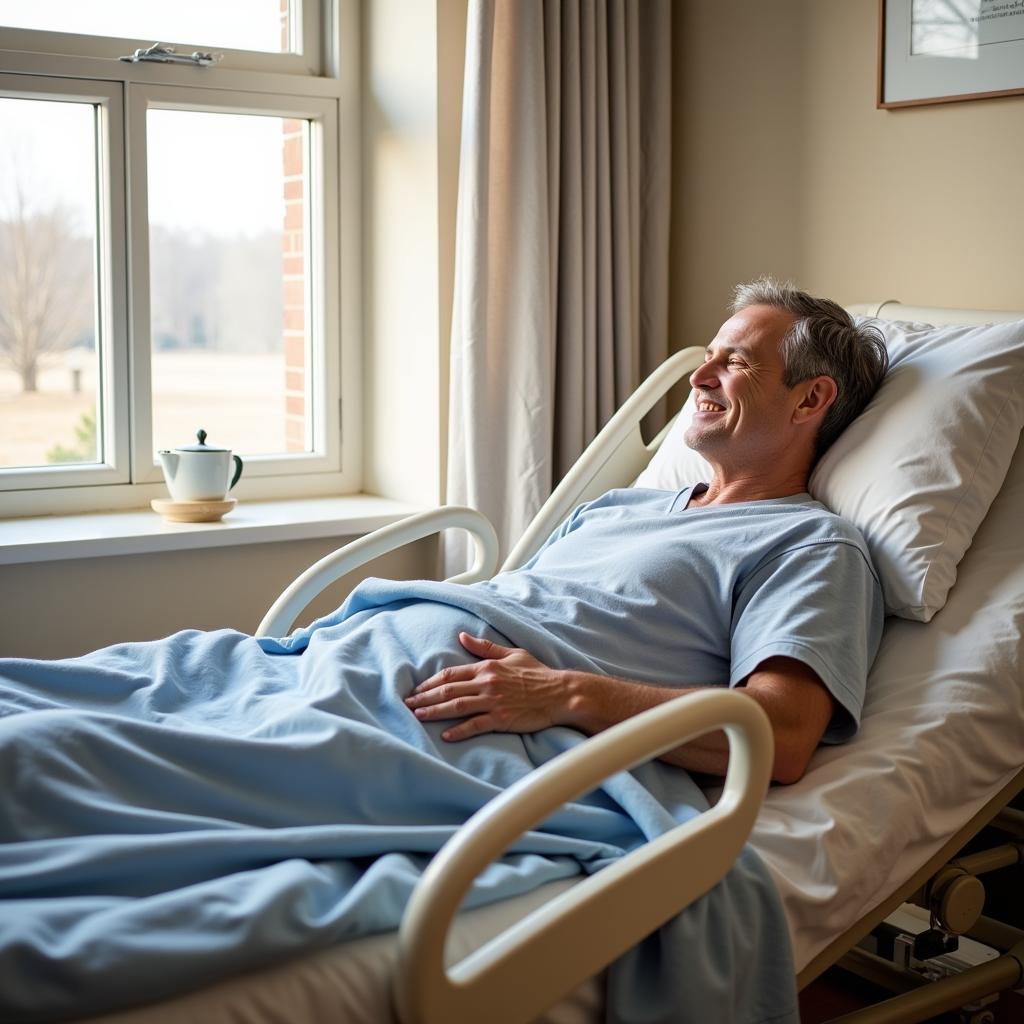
917 470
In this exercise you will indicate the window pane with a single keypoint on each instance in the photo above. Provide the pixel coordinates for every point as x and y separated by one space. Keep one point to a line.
234 24
228 237
49 379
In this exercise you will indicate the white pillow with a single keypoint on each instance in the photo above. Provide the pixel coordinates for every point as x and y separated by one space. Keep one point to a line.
918 469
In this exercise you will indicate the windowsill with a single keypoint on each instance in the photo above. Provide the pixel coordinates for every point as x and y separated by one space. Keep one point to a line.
142 531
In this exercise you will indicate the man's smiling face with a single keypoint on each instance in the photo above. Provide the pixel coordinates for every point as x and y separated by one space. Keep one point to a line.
744 411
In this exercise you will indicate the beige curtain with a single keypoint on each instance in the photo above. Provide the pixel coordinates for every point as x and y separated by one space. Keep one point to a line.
561 287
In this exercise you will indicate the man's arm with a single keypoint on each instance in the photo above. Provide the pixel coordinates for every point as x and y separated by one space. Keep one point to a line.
511 691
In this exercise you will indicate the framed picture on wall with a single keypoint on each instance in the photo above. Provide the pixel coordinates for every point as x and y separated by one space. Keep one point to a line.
940 51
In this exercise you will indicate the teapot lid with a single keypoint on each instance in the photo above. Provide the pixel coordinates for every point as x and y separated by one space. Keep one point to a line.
202 446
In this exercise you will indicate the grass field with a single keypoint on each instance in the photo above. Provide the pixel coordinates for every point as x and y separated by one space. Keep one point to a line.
238 399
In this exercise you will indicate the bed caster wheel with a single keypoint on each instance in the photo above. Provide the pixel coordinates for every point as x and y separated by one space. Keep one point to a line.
978 1017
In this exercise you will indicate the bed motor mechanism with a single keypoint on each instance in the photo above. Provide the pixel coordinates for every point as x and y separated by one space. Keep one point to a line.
940 952
910 939
913 937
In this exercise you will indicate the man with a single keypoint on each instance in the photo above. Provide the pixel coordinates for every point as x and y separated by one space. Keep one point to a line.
181 810
784 376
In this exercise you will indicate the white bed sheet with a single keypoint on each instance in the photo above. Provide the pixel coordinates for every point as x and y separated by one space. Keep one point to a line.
942 733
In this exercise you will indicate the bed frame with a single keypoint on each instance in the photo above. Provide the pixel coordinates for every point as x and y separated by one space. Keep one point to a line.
948 886
488 983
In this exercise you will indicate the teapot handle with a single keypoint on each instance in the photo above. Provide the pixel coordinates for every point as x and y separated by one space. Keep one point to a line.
238 471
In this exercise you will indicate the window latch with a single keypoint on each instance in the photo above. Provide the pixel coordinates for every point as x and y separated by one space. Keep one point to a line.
158 54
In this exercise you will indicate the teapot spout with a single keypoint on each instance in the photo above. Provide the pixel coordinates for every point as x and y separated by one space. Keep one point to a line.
169 461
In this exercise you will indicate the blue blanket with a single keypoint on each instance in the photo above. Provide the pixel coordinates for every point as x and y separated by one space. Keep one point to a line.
178 811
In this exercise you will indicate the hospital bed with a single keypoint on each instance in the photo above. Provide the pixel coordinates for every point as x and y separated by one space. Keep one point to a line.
874 823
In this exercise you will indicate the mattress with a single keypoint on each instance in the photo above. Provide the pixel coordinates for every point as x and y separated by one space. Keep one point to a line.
942 732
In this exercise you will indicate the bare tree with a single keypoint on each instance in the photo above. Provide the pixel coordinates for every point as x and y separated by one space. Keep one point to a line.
182 274
45 278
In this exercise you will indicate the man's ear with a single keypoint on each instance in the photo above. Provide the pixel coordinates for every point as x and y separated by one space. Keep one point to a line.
818 394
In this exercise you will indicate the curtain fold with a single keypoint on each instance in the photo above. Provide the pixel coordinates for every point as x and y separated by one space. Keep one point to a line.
561 278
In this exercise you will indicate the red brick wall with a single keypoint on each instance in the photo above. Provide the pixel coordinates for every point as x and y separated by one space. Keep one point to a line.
293 267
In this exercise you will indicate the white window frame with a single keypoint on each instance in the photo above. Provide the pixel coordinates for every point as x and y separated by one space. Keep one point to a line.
307 57
331 102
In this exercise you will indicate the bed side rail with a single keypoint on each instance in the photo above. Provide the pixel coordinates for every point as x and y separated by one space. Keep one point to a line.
283 612
638 893
614 458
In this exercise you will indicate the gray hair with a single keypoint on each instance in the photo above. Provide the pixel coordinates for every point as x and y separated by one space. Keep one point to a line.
824 342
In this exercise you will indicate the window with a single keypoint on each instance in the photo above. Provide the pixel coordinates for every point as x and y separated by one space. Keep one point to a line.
170 248
49 234
229 292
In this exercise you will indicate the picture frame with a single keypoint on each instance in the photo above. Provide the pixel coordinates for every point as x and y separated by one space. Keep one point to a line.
945 51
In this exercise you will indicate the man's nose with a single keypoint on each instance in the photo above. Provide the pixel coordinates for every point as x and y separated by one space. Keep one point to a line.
703 377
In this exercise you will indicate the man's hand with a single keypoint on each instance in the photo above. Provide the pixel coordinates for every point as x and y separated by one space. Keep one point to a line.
511 691
508 691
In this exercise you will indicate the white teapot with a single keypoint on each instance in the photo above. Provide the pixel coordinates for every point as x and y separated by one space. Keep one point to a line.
200 472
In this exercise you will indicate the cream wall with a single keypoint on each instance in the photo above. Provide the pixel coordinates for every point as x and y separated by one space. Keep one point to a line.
735 154
413 59
61 609
400 244
923 204
782 164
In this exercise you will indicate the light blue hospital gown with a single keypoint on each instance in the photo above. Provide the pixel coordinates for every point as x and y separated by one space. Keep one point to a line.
177 811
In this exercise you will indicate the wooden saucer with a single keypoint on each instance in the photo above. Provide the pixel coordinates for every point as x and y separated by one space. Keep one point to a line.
192 511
